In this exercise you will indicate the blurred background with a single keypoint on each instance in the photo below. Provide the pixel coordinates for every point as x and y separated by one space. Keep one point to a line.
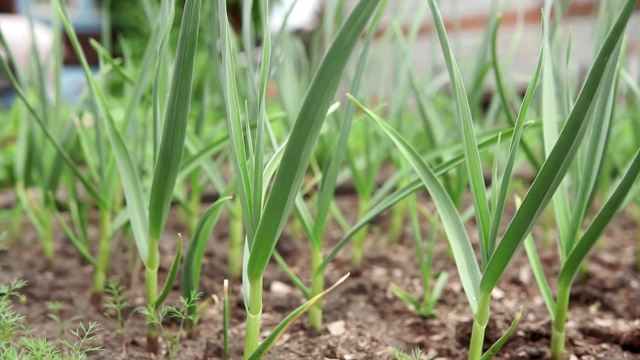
466 19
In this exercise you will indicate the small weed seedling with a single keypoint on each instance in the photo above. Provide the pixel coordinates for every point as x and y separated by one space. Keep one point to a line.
78 350
416 354
11 323
117 299
430 296
17 343
181 313
55 308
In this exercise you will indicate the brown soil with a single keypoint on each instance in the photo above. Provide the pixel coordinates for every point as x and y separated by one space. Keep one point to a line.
604 319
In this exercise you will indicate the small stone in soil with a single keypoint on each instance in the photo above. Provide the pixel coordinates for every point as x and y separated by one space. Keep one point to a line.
337 328
497 294
280 289
524 275
527 352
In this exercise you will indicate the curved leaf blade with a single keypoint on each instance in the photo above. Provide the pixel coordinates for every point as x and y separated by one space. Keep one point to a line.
557 164
599 224
303 137
273 337
175 122
463 253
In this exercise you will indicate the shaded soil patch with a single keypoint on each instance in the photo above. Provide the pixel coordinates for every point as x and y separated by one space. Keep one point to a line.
367 321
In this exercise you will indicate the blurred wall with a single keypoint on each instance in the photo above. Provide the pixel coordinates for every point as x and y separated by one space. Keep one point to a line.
466 19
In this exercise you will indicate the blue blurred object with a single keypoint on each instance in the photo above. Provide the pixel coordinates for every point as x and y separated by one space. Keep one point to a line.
73 82
85 15
6 99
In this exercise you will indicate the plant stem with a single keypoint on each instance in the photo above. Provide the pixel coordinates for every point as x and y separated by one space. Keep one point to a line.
194 202
104 253
481 319
317 286
637 216
546 226
225 319
296 227
151 279
426 265
236 240
16 220
46 240
360 236
397 222
558 333
252 337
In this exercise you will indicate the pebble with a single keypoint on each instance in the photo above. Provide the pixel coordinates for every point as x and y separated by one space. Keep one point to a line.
378 271
497 294
280 289
603 322
524 275
526 353
337 328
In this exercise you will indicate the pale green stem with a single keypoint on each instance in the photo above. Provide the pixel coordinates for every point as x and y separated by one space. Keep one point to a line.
546 229
225 320
194 204
360 236
480 321
558 333
236 240
638 252
637 215
151 279
104 252
397 222
317 286
46 239
296 227
252 336
16 227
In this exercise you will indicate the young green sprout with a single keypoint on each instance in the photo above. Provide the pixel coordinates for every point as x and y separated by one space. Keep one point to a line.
265 216
574 245
430 296
478 281
147 215
117 299
42 209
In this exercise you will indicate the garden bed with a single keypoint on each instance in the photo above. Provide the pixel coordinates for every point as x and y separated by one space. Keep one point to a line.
363 319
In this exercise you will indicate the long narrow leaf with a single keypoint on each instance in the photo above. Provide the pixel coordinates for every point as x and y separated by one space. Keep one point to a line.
59 148
175 123
197 246
596 148
599 223
330 172
516 139
171 276
401 193
557 164
463 253
550 117
539 275
234 123
493 350
465 124
303 137
276 333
